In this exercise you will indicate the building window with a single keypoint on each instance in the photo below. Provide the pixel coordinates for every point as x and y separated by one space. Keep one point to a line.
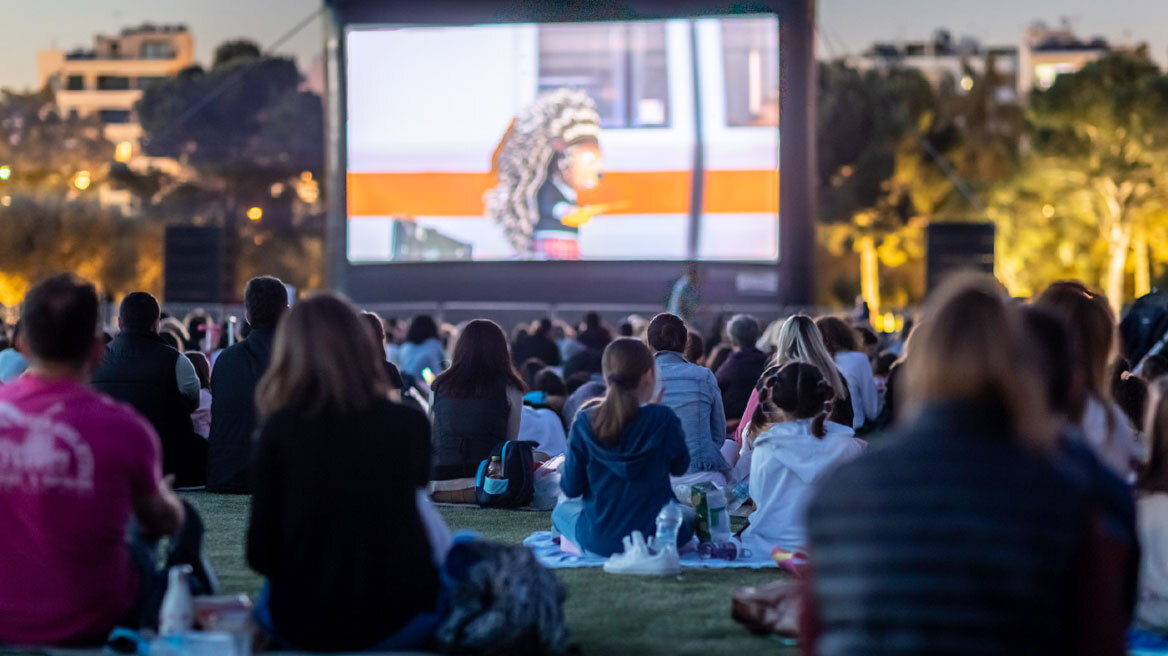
146 80
156 50
75 83
621 66
750 58
114 115
113 82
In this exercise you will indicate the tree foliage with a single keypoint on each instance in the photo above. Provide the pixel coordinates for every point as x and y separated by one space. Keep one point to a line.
1093 183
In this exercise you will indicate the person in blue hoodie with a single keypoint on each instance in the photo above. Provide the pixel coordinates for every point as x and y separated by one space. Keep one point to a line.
621 453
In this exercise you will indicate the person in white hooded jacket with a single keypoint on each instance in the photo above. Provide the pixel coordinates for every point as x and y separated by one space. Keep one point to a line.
794 445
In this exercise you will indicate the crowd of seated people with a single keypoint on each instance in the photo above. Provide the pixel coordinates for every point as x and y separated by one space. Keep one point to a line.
1015 484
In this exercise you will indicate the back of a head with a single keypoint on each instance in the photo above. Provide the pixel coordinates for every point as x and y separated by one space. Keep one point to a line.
884 363
743 330
592 320
322 358
625 362
1092 325
1055 359
973 350
800 341
838 336
139 312
202 367
543 328
529 370
59 320
422 328
264 299
797 389
1154 476
695 347
667 332
481 363
550 383
376 328
626 329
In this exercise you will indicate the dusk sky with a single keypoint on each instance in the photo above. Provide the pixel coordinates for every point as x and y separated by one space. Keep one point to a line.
848 25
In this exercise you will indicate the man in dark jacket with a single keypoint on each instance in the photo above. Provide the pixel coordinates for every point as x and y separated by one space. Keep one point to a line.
233 385
742 369
159 382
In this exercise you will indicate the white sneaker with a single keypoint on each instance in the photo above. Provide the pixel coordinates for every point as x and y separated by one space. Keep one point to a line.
639 559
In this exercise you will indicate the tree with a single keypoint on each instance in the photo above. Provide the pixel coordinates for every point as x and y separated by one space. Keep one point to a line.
44 150
40 236
250 132
1100 151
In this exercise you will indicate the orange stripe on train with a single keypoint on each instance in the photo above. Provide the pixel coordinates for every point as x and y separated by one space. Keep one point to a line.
643 192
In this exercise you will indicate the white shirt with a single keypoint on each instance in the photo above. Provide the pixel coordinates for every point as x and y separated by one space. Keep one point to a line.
544 427
201 418
1152 528
857 370
1115 444
787 462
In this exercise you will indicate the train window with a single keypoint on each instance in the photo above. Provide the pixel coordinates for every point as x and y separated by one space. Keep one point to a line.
750 57
622 66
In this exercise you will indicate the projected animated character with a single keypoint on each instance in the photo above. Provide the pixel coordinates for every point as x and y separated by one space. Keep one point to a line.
548 155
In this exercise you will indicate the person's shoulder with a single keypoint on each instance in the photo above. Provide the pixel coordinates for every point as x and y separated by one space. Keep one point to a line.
400 412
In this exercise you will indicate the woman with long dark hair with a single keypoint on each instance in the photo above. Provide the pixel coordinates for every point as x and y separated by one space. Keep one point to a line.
477 403
335 525
621 453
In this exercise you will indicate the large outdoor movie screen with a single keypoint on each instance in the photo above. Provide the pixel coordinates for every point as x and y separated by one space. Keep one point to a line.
646 140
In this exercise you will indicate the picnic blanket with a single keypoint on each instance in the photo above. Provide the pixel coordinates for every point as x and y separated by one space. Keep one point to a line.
550 555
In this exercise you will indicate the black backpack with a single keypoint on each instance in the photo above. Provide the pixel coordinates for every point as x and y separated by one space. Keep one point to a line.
517 487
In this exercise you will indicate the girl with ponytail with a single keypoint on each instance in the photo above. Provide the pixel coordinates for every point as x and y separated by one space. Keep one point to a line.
794 443
621 453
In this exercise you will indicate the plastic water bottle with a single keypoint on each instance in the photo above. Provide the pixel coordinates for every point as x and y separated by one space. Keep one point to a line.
178 609
668 525
495 469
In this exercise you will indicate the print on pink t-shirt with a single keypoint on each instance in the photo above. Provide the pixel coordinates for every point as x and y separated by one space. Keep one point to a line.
71 464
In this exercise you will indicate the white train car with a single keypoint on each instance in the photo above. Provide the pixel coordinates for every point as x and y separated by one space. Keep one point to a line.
681 102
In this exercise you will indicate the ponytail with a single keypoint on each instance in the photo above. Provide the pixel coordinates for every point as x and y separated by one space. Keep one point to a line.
795 390
625 363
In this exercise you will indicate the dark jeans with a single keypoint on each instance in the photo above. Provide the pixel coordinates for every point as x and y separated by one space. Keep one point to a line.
184 548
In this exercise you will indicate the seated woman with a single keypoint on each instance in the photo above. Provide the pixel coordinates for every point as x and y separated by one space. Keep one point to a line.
691 392
1152 510
621 453
795 444
477 404
335 526
854 366
422 349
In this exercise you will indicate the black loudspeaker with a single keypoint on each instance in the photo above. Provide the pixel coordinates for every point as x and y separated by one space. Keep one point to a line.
193 266
953 247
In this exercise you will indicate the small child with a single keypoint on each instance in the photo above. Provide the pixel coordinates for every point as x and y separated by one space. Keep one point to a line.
201 418
793 445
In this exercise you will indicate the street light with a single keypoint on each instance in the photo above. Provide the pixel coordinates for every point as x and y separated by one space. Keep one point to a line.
82 180
255 213
5 172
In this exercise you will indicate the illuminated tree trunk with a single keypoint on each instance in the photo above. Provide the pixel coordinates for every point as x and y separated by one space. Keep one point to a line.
1119 241
1142 266
869 273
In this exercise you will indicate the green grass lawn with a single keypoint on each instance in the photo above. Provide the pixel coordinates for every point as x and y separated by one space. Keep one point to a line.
687 614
